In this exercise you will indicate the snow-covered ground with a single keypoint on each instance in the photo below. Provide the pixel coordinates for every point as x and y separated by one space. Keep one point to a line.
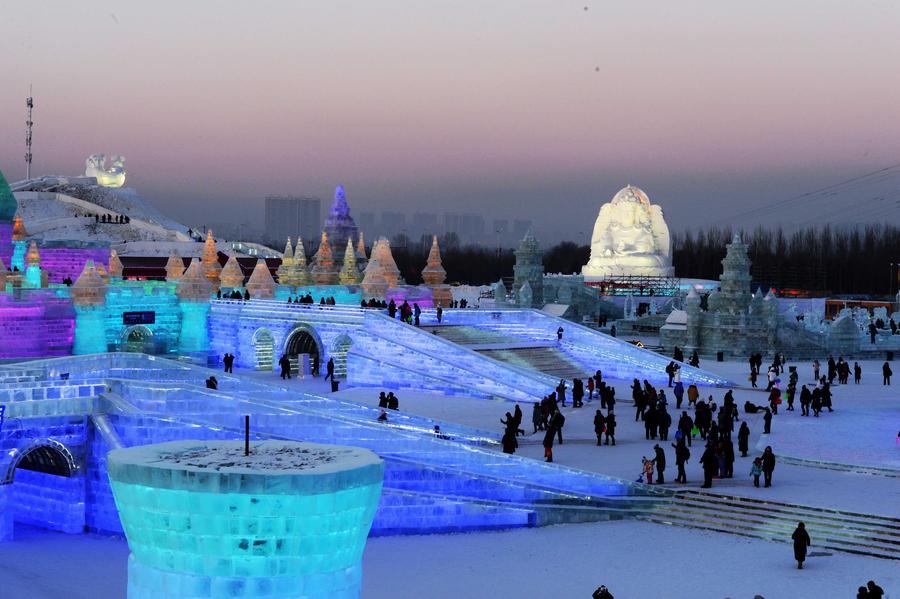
636 560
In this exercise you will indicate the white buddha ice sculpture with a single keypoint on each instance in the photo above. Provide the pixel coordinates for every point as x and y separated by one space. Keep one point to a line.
630 238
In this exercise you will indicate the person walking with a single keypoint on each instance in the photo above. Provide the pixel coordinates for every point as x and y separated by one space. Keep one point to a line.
710 463
556 423
439 313
887 372
330 368
767 420
857 373
517 416
537 418
744 439
685 426
610 427
660 461
548 444
756 471
590 386
801 543
768 465
682 455
285 366
599 426
816 367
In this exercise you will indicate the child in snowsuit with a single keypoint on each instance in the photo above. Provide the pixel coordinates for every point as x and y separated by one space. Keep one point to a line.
756 471
647 466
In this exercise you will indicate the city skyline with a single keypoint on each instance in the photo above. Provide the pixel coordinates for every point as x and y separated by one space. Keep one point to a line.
509 110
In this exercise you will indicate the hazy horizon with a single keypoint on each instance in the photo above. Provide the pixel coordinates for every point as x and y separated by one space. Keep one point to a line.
510 108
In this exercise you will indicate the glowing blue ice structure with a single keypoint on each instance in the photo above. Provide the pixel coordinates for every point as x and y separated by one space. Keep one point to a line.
82 407
591 349
205 521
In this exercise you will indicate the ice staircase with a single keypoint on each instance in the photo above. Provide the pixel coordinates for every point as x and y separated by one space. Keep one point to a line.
834 530
544 359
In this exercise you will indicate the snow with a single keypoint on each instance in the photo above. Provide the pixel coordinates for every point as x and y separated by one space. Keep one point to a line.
635 560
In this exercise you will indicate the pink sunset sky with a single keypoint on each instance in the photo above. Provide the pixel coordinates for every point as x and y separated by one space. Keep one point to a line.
515 108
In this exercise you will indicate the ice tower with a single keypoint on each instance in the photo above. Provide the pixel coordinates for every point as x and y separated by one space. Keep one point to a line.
89 298
193 290
339 224
20 245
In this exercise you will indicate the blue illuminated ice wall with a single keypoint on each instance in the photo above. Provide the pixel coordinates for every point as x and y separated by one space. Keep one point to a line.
205 520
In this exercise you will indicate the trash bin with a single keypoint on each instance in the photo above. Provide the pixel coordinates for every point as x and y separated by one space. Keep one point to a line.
334 384
890 356
720 356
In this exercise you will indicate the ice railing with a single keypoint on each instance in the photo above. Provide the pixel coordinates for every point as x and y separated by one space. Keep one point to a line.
592 348
268 309
434 347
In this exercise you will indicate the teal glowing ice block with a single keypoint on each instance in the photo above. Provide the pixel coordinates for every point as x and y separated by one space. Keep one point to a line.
204 521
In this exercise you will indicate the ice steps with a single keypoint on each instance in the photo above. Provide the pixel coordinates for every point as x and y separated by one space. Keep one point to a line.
837 530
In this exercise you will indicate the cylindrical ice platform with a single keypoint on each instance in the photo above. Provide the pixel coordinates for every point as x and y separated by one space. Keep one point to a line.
204 521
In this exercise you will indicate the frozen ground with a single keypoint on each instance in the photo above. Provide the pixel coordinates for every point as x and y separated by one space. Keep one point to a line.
636 560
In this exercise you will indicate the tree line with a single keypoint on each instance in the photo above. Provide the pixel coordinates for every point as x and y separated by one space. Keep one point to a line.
821 260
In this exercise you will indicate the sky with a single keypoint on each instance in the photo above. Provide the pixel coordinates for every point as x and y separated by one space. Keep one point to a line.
513 108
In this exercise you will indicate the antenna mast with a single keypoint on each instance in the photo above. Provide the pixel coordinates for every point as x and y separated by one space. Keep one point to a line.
29 102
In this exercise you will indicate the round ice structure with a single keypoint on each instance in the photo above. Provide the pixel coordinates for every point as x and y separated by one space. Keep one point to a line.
205 521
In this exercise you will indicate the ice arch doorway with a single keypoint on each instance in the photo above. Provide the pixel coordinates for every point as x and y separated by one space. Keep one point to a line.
139 339
45 487
264 344
302 341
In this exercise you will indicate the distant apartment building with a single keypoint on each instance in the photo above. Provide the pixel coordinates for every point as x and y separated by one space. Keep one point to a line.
290 216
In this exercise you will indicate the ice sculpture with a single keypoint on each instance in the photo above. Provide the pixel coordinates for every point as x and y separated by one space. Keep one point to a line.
381 252
174 266
630 238
323 270
261 284
339 225
232 276
112 176
211 267
115 265
434 275
203 519
349 274
89 299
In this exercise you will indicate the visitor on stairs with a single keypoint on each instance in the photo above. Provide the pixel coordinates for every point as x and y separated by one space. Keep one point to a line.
801 542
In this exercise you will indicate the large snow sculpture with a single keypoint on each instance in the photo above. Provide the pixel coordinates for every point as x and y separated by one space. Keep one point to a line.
112 176
630 238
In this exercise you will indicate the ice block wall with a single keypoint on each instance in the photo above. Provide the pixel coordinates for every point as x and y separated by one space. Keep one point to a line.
205 521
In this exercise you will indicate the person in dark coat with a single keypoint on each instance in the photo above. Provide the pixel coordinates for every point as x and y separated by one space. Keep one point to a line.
710 462
805 400
664 421
330 368
875 591
685 425
548 444
801 542
650 422
610 428
509 442
660 461
637 394
517 416
599 425
862 593
285 366
556 423
382 400
393 401
768 465
857 373
767 419
602 593
886 372
682 455
744 439
726 446
537 417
